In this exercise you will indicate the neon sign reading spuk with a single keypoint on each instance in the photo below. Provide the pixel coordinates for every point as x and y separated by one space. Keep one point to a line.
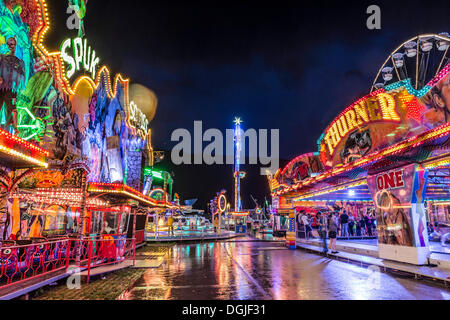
79 56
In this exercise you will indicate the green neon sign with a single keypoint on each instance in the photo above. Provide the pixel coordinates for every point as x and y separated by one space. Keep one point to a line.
83 57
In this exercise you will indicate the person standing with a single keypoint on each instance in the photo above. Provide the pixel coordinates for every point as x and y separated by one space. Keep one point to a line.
170 225
300 227
323 226
332 232
344 224
368 224
362 224
358 228
351 225
308 229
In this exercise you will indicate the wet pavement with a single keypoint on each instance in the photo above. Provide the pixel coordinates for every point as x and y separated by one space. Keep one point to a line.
238 270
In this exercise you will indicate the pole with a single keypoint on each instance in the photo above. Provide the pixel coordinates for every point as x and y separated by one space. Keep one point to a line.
82 216
156 224
134 236
237 155
89 260
220 221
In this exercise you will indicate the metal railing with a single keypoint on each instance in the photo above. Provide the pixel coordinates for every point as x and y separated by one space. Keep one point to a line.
205 232
19 263
364 233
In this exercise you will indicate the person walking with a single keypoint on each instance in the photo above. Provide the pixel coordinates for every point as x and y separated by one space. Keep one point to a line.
323 226
170 225
344 224
332 231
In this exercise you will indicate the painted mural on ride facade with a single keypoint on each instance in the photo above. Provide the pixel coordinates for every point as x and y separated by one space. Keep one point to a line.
399 200
300 168
66 103
385 117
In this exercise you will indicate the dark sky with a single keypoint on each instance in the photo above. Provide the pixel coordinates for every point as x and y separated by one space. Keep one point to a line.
289 65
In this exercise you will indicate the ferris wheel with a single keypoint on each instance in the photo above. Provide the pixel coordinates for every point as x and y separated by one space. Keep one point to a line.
417 61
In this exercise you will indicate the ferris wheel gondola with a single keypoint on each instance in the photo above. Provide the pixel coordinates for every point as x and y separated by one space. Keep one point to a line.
416 61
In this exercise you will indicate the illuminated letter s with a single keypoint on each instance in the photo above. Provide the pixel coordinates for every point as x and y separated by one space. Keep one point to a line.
68 59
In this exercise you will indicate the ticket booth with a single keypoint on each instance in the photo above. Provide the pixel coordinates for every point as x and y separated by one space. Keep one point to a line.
240 221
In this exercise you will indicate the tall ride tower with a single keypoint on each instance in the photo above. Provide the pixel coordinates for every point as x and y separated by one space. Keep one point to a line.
238 175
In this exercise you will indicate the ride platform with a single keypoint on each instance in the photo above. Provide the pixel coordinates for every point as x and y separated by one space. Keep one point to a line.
365 254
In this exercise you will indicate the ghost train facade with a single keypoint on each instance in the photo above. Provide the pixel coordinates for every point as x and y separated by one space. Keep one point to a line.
73 154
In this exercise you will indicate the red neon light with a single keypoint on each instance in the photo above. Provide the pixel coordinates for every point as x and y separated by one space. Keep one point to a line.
27 145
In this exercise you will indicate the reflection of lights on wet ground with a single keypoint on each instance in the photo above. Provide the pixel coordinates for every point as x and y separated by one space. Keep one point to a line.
270 273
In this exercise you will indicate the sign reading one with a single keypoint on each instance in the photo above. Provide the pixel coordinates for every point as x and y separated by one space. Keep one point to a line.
81 57
378 108
390 180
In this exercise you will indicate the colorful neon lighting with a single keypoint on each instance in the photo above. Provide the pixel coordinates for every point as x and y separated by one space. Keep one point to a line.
154 194
127 190
406 83
439 76
137 120
94 82
237 158
330 190
81 59
239 214
358 114
38 42
414 141
9 142
220 200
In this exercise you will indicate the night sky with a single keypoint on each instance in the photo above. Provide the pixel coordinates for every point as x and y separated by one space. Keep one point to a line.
287 65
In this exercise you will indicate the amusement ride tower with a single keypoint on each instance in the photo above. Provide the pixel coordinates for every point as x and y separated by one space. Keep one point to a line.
238 175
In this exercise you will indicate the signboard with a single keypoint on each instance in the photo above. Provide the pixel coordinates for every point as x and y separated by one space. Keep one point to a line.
137 120
53 179
241 229
399 196
78 58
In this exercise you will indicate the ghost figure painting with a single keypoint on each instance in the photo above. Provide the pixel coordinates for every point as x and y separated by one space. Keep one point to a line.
394 224
357 145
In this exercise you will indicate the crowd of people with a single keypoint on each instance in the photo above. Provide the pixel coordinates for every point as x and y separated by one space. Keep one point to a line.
336 224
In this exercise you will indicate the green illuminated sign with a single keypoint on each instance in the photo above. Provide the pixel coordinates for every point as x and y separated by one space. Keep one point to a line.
81 58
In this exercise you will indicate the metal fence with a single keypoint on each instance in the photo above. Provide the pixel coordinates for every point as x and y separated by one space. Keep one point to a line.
205 232
19 263
364 233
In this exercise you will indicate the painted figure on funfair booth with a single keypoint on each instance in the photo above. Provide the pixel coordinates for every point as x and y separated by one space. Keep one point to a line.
438 102
12 75
394 223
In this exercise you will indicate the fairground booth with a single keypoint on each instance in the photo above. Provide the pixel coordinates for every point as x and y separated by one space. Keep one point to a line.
73 148
385 156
